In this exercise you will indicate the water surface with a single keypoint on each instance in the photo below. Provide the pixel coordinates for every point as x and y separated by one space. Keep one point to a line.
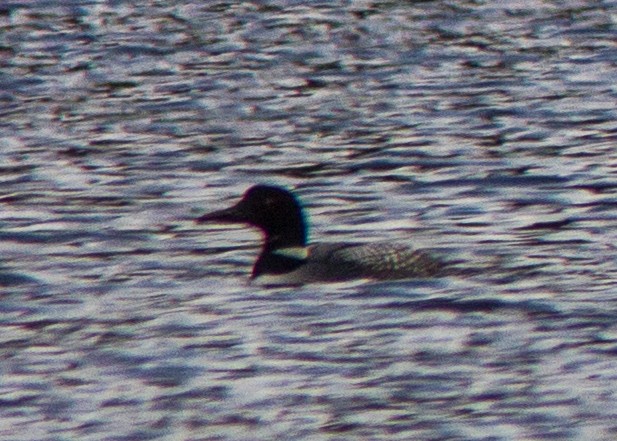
484 130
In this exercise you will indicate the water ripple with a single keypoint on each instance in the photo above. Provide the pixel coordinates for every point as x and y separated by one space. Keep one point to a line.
482 131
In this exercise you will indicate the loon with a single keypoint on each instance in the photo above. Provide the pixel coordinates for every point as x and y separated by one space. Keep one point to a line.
286 258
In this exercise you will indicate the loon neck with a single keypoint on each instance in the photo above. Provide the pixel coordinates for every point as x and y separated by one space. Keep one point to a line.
292 237
280 260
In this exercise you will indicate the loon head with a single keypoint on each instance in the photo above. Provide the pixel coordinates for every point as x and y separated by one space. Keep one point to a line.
274 210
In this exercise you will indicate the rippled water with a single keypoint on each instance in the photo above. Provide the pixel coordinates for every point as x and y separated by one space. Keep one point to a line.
485 130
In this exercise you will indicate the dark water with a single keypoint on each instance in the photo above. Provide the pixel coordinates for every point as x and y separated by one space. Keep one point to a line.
485 130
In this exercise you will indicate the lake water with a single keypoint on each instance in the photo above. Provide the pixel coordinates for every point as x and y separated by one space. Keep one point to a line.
484 130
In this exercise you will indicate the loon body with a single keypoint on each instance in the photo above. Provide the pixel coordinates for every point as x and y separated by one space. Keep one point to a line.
287 259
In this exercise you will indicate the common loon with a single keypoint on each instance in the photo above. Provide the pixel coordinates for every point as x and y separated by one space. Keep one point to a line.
287 259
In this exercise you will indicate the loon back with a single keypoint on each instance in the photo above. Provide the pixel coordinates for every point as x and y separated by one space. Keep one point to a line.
379 260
